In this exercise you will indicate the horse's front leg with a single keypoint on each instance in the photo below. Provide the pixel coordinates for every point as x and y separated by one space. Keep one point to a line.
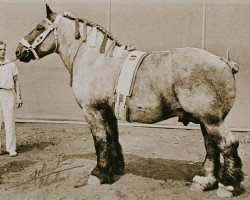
103 125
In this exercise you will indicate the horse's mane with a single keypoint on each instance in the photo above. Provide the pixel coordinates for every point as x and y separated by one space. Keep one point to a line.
93 24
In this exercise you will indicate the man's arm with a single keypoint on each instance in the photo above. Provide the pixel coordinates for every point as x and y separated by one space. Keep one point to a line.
18 91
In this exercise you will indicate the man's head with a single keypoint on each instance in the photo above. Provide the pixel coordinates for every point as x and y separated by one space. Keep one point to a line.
2 50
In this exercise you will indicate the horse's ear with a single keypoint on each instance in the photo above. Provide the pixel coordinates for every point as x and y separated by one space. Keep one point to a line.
50 13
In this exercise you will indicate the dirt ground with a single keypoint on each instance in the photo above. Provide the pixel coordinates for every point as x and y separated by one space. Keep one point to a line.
160 164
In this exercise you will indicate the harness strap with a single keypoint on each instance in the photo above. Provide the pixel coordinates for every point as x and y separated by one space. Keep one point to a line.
41 37
71 78
127 74
71 70
26 44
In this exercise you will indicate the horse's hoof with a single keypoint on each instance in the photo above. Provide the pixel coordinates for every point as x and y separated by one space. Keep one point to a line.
93 180
225 191
197 187
198 184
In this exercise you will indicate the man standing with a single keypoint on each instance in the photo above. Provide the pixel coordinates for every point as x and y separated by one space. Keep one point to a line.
9 84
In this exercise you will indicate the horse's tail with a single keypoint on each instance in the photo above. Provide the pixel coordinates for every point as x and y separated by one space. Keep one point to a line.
233 66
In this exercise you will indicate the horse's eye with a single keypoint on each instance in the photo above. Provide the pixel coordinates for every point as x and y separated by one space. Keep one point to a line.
40 28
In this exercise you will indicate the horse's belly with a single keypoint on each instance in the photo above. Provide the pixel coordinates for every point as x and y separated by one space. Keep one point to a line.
148 109
146 115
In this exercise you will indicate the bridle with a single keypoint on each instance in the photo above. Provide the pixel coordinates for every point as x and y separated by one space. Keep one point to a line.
52 26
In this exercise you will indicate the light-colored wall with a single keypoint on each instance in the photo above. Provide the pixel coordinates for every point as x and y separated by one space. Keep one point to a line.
148 24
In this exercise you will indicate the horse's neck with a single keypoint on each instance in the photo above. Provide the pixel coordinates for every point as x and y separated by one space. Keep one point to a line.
67 43
69 46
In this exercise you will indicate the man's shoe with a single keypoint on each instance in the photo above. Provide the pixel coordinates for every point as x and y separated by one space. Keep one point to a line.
13 154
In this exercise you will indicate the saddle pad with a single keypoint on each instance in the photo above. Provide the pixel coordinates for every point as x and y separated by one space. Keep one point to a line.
128 71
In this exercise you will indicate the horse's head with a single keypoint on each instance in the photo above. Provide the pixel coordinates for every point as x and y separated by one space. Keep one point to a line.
41 41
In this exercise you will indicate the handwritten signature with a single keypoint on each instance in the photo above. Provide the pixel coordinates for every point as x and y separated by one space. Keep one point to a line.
49 172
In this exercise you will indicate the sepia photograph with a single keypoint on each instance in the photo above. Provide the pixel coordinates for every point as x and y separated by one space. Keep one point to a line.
124 99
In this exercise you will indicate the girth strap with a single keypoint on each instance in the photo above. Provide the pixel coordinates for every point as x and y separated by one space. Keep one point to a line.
125 83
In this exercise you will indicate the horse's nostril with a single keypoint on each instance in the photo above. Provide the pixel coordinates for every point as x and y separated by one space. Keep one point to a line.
18 54
25 52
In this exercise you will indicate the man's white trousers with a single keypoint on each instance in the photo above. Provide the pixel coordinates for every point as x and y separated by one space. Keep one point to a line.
7 114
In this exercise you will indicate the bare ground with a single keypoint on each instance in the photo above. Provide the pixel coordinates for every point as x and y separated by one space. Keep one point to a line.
160 164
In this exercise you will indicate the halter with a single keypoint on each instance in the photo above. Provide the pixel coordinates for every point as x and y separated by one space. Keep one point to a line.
52 26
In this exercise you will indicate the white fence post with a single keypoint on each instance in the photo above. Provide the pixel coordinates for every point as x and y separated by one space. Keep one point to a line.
109 15
203 24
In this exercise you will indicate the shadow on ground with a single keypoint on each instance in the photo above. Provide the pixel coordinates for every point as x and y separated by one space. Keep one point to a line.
15 166
28 147
156 168
162 169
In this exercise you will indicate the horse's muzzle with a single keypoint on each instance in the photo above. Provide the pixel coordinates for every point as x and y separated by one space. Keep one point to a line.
23 53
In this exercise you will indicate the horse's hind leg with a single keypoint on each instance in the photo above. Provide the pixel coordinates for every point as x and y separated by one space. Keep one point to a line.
211 165
232 175
103 125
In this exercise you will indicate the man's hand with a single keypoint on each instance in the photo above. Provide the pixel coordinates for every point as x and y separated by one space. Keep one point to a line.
19 103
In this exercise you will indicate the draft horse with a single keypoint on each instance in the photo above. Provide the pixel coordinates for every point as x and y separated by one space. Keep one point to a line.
189 83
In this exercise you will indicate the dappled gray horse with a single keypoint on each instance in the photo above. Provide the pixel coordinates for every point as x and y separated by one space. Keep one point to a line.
189 83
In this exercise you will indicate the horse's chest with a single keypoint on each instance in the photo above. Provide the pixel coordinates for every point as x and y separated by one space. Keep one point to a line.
92 84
